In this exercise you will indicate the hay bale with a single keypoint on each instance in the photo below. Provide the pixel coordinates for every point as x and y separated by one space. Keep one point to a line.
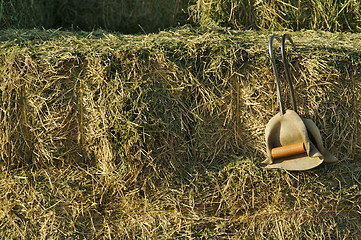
47 112
165 99
278 15
146 136
151 16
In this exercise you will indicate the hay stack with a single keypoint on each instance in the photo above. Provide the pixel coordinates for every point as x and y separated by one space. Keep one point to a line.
117 135
140 16
165 99
279 15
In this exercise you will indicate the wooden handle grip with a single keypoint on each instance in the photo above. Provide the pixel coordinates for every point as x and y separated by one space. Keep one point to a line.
288 150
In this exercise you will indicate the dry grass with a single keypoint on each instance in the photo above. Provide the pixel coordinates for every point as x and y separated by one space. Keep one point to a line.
128 16
160 136
326 15
237 200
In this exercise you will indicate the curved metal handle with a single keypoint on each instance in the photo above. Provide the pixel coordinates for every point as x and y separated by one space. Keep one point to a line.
285 65
287 73
270 48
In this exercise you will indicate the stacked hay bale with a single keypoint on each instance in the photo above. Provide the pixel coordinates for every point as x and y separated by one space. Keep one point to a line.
166 100
279 15
153 15
162 135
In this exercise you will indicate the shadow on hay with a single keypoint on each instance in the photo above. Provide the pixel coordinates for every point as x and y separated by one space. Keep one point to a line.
132 110
164 123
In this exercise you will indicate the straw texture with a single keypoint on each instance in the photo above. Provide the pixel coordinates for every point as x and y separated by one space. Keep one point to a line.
162 135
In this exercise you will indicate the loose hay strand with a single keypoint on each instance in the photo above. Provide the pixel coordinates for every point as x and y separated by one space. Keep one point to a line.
81 116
